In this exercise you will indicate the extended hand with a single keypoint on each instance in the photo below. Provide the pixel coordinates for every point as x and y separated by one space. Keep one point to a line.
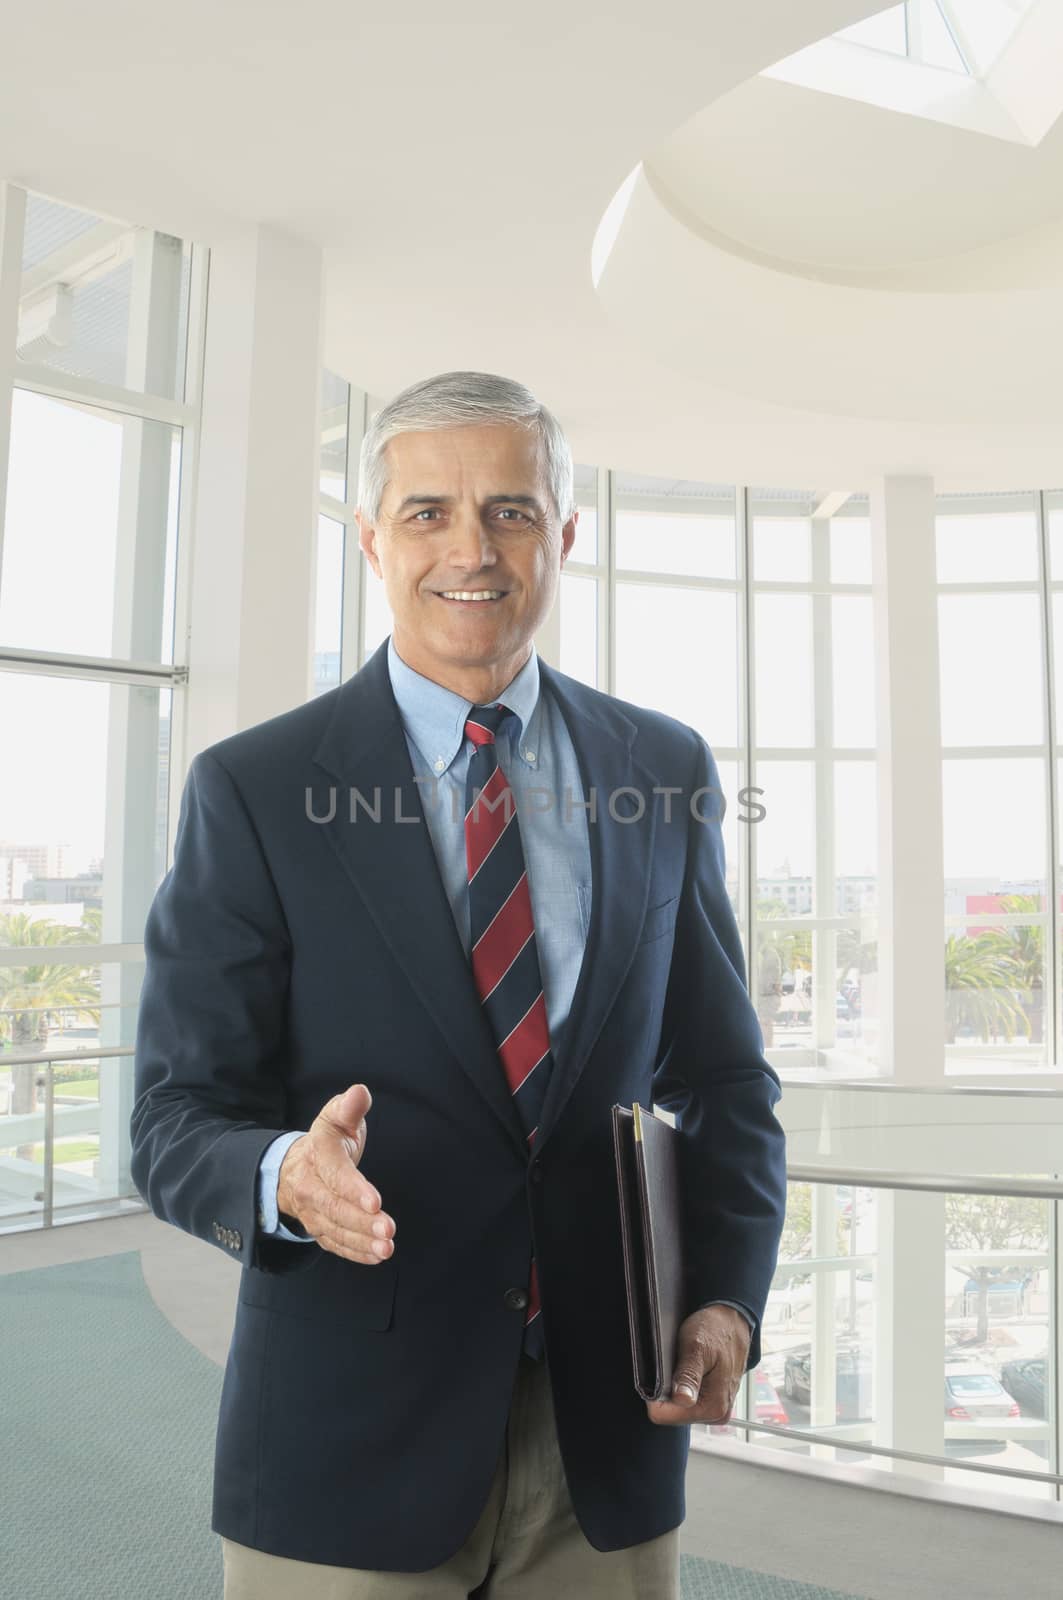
712 1348
320 1186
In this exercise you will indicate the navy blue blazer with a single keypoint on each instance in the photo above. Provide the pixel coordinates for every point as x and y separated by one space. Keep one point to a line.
364 1407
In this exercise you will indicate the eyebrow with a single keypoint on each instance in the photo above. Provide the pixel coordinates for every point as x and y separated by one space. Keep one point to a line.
491 500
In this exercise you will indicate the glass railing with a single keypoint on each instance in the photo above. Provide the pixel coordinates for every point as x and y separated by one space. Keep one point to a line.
913 1320
64 1136
912 1326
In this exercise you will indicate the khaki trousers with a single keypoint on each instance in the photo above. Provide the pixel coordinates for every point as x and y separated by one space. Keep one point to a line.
527 1544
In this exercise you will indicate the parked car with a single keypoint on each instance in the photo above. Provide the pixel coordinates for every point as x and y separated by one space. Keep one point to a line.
852 1380
1024 1380
971 1393
767 1407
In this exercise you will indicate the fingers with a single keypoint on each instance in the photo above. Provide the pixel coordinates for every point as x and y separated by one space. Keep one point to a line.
343 1212
324 1190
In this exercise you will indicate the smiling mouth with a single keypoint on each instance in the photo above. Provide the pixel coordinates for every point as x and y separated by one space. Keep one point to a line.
474 597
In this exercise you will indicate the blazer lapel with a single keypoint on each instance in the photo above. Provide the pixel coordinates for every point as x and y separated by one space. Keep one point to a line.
393 867
621 857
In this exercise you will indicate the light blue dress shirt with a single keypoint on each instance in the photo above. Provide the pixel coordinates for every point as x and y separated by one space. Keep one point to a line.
539 761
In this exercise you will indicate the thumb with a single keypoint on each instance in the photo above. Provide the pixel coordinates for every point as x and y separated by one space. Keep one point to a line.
687 1375
346 1112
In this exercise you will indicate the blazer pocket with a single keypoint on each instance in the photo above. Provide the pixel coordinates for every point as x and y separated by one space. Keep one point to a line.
332 1287
659 920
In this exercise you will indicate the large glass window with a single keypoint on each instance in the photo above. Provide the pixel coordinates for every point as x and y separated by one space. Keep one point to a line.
339 625
91 503
995 779
91 677
813 855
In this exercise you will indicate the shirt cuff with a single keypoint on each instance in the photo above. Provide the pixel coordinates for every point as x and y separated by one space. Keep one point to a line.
750 1318
268 1178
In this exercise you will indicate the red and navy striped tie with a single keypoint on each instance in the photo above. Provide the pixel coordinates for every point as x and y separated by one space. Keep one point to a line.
505 962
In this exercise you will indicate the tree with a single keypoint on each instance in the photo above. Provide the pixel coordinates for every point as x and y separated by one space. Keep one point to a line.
1026 941
29 994
981 977
981 1222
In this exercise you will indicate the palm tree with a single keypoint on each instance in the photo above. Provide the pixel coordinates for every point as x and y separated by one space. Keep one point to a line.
981 975
29 994
1027 940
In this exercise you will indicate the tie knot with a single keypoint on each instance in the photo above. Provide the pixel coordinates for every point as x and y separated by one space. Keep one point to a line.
484 722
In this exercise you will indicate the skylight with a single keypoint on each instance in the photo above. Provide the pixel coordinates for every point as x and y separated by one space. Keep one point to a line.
957 35
984 66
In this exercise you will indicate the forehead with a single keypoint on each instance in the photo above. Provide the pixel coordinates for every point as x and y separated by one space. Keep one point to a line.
482 456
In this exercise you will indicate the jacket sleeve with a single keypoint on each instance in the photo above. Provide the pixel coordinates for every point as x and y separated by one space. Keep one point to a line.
209 1055
712 1074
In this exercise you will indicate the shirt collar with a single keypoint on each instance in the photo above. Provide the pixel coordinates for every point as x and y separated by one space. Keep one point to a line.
434 716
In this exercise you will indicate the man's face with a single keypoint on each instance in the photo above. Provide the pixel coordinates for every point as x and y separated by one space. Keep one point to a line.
467 509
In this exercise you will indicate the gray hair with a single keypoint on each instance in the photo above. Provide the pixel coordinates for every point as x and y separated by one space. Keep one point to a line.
462 399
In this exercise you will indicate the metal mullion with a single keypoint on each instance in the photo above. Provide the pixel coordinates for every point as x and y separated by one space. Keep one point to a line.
58 385
797 924
1005 586
1055 1340
958 34
744 545
814 1264
28 955
996 752
352 614
676 580
746 851
187 503
1050 975
12 225
997 919
100 669
335 510
607 621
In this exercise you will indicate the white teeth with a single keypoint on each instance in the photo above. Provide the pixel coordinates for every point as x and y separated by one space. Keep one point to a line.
469 594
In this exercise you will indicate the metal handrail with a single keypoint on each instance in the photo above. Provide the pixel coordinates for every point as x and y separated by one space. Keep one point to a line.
897 1455
52 1057
931 1182
888 1086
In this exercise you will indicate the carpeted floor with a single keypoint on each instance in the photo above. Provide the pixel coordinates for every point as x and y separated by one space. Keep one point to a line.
105 1472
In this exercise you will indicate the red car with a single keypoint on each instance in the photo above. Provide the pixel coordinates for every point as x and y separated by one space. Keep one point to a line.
767 1407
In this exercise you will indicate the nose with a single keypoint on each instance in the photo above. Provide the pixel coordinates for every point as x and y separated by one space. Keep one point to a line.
471 547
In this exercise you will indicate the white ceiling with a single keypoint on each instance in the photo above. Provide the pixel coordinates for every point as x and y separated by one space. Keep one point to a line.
455 173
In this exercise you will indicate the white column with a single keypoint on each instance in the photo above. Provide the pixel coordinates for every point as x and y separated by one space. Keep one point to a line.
250 612
911 942
909 1361
824 1395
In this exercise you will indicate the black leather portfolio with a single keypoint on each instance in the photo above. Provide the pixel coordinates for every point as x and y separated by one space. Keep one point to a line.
647 1174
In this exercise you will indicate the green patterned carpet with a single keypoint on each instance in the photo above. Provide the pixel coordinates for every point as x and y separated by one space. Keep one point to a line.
105 1472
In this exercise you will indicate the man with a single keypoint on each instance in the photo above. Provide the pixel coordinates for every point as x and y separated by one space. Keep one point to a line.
419 935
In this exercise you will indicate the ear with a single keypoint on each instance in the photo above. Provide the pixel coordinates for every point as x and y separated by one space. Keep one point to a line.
367 542
568 534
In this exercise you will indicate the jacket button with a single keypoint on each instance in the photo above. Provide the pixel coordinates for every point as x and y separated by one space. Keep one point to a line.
536 1172
515 1299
